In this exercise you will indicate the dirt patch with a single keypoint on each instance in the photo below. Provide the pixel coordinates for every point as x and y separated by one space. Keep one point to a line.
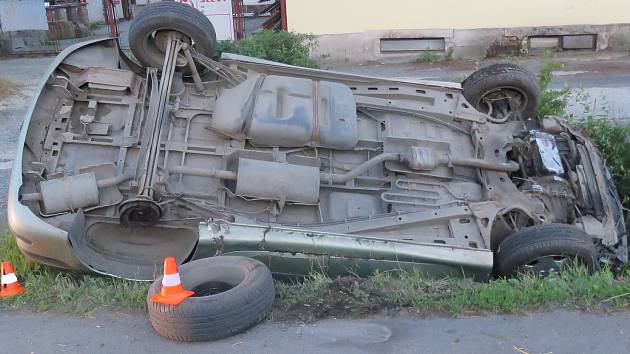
8 88
347 296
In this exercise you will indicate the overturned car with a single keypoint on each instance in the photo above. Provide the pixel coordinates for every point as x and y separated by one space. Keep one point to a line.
120 165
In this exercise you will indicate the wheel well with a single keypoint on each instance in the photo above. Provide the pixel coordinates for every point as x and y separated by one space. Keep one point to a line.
508 222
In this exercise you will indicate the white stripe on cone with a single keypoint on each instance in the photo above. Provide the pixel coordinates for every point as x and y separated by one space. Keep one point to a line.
171 280
9 279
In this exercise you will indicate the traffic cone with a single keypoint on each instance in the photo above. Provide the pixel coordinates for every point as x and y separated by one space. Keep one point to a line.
172 292
9 282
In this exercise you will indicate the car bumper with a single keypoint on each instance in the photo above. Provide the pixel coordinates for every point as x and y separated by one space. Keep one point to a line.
37 239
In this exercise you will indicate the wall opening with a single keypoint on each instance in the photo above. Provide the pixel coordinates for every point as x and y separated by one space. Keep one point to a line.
398 45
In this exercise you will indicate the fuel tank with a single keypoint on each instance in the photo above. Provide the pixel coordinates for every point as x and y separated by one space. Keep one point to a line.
282 111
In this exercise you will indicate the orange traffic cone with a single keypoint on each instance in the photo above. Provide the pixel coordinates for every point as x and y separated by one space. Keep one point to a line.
10 284
172 292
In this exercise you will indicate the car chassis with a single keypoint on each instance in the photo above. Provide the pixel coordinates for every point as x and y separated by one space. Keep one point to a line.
119 166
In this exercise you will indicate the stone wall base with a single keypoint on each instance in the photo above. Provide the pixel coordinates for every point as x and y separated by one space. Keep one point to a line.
26 42
468 43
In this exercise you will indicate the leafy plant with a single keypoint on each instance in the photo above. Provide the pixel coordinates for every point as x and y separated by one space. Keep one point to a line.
552 102
283 47
427 58
613 141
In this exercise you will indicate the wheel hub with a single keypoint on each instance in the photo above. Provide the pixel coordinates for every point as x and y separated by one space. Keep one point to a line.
546 265
504 103
161 40
140 213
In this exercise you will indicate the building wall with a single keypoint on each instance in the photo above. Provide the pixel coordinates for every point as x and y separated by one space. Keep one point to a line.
95 10
23 15
351 16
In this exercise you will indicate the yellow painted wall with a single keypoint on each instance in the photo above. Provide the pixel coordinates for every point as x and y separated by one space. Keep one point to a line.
349 16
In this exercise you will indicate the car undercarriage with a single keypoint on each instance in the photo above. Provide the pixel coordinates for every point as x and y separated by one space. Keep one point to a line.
301 168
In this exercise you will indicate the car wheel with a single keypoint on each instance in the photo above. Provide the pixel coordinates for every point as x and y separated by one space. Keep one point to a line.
149 32
231 295
545 249
503 91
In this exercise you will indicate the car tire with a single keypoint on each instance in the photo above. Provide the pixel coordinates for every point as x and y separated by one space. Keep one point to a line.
169 16
539 249
501 79
231 295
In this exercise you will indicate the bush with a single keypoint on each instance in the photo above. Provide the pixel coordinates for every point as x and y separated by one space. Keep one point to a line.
613 140
552 102
283 47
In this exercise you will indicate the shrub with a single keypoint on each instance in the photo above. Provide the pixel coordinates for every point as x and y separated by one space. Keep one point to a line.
613 140
283 47
552 102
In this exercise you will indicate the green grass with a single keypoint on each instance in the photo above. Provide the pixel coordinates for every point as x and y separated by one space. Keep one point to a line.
320 296
427 58
51 289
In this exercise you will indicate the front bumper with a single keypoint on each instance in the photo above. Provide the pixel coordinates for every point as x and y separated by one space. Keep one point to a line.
37 239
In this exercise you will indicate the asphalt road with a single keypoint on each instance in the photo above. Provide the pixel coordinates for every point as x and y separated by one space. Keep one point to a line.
558 332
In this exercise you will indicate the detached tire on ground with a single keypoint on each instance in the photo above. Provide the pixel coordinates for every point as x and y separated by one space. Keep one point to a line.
231 295
146 35
544 249
487 85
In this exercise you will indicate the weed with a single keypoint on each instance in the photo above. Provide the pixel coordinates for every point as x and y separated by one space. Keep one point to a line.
546 73
450 55
613 141
427 58
283 47
552 102
51 289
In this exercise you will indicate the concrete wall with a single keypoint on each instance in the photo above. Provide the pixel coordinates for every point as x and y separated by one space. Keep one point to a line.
23 15
352 30
365 46
95 10
351 16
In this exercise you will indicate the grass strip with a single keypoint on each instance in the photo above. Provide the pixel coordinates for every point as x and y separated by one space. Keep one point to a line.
319 296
